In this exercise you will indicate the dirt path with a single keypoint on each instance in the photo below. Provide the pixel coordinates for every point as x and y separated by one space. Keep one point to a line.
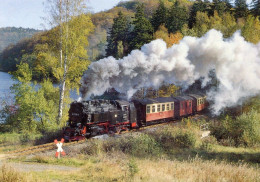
28 167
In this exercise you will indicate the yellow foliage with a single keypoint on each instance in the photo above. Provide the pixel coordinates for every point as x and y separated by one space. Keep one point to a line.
170 39
175 38
251 29
167 90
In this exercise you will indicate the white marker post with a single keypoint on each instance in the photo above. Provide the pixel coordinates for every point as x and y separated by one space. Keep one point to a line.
59 150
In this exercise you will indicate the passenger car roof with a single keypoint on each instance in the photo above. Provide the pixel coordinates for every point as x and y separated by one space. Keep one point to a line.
156 100
196 96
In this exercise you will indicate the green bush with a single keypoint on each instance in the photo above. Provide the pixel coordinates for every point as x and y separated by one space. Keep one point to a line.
243 130
141 145
208 142
132 168
169 138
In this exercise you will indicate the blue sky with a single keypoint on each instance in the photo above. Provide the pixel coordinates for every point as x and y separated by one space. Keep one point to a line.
28 13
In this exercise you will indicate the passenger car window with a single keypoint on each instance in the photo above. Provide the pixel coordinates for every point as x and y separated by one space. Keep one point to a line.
163 107
147 109
172 106
153 108
158 108
168 107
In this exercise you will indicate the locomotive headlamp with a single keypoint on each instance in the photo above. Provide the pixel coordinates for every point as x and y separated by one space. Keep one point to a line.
115 115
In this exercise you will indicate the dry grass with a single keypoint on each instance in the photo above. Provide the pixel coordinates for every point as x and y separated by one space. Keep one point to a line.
119 167
8 174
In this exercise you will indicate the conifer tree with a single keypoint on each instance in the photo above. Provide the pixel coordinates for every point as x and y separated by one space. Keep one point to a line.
178 16
143 30
159 16
241 9
198 6
219 6
118 37
256 8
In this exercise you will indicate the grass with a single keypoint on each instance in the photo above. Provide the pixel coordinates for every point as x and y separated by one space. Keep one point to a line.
119 167
8 174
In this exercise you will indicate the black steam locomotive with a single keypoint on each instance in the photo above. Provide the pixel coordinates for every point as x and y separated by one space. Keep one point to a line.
96 117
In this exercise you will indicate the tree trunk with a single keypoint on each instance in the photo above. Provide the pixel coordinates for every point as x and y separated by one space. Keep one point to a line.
63 85
62 91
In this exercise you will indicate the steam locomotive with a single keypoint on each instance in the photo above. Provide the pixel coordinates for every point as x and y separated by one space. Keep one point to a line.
96 117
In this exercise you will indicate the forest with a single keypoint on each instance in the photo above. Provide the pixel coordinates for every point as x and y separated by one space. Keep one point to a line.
12 35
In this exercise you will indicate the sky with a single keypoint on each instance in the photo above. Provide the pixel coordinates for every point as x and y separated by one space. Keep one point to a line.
29 13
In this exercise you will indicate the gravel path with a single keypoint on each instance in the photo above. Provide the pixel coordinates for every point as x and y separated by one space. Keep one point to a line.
28 167
37 167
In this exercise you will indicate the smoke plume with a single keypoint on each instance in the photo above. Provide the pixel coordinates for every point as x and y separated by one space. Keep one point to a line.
235 62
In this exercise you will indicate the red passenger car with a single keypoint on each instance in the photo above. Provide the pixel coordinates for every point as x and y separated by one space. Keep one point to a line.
150 110
184 106
198 102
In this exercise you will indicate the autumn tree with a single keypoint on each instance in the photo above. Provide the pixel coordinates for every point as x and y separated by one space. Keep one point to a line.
73 28
252 23
142 32
167 90
169 38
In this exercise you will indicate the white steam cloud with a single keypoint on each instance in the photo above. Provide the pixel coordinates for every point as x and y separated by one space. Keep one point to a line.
236 63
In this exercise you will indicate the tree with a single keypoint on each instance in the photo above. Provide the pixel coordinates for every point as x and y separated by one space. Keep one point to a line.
219 6
118 35
251 29
74 27
241 9
169 38
256 7
34 109
202 24
167 90
143 30
177 17
160 16
198 6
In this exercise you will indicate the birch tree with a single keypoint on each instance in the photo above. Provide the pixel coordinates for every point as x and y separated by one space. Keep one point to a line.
69 17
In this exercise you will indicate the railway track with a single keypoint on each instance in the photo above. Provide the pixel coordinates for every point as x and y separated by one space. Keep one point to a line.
39 148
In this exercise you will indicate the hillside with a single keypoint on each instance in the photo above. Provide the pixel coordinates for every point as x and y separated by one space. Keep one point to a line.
12 35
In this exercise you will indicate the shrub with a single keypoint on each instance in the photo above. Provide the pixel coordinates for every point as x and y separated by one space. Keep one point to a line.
175 137
132 168
208 142
243 130
140 145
